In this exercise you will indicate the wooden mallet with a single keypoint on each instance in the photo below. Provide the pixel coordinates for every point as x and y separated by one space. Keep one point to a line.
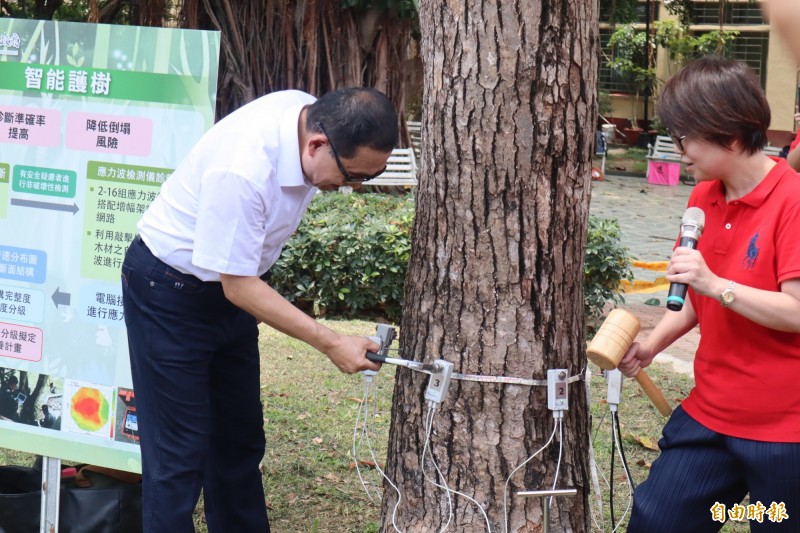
609 346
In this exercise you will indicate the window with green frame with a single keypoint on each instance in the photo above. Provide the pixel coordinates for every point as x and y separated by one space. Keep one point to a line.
638 14
733 13
610 80
752 48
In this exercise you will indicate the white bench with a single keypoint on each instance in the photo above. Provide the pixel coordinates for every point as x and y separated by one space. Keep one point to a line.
415 132
401 170
665 149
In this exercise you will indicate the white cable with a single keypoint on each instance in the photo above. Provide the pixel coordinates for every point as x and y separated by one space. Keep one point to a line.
593 461
508 480
428 426
445 486
361 422
365 436
627 474
560 449
357 442
479 506
380 470
593 469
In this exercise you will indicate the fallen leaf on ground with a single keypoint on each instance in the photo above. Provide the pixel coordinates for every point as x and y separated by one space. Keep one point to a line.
370 464
646 442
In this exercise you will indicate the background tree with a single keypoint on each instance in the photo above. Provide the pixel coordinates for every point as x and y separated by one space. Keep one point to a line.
138 12
27 412
494 281
315 46
272 45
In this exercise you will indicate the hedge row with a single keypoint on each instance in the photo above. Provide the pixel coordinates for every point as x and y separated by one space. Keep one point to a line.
350 254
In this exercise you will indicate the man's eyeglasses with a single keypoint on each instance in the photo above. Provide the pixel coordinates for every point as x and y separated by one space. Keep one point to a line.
678 141
348 178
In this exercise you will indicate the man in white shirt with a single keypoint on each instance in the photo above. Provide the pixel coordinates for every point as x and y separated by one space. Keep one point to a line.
194 291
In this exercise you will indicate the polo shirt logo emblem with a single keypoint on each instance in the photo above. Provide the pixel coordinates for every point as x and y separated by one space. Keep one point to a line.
752 254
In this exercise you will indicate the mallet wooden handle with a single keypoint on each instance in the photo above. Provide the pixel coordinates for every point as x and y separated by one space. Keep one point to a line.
609 346
653 392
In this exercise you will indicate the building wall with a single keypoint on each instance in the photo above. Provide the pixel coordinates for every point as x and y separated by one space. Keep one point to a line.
781 81
781 91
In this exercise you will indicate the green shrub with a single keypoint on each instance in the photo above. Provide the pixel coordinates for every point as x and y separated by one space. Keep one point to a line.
605 264
350 255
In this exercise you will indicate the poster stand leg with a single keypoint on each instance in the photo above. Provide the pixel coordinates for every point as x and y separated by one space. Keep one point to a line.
51 491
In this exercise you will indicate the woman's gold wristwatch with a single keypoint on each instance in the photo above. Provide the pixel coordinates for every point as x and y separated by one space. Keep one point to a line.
728 295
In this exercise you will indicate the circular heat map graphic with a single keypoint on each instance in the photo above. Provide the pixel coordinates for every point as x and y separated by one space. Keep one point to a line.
89 409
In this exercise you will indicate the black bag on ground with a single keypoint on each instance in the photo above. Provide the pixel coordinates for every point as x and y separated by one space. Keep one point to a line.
20 499
109 505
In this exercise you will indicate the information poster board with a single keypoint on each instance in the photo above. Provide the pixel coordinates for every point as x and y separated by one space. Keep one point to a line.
93 119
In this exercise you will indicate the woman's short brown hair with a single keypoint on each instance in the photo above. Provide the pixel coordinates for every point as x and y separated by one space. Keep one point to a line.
719 100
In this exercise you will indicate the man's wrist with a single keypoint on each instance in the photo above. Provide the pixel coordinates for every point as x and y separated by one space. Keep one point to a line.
325 339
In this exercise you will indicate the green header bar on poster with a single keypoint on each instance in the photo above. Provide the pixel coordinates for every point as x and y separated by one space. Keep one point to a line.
106 83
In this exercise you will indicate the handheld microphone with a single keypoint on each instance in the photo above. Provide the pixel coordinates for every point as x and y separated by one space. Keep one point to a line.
692 225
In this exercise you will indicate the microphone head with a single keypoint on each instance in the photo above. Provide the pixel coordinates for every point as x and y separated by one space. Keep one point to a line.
694 217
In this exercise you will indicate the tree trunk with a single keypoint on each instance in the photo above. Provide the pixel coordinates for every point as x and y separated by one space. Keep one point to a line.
495 278
315 46
27 413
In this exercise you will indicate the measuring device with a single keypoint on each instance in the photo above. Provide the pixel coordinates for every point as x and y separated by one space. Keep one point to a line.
384 337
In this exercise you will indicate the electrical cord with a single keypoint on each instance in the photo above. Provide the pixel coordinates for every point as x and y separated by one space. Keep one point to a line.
429 425
622 453
363 410
598 494
597 505
599 424
560 450
615 430
365 436
526 461
611 474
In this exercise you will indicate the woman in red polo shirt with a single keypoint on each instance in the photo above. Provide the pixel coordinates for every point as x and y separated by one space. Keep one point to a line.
793 158
738 431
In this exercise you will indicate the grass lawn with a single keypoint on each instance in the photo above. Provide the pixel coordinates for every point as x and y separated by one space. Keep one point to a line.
640 426
624 159
309 414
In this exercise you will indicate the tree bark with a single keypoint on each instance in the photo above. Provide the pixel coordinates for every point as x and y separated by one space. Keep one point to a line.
315 46
495 278
27 413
